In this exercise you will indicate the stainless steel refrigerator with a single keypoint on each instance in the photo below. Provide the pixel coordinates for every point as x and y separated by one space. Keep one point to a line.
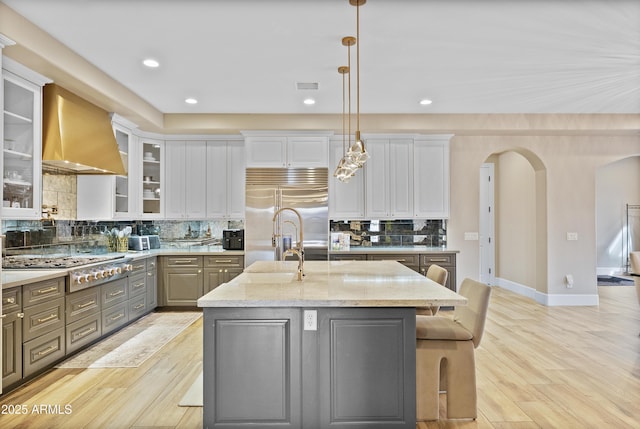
269 189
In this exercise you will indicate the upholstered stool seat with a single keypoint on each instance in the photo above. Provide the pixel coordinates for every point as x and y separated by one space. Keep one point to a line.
445 356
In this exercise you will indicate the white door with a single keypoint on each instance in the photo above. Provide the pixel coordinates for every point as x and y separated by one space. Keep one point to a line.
487 219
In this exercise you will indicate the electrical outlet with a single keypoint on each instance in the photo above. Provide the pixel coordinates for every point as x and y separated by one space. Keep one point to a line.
572 236
310 320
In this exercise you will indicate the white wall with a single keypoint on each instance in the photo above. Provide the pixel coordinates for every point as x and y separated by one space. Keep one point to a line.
617 184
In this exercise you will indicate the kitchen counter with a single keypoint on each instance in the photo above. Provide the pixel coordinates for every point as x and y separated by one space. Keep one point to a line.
18 277
330 284
315 353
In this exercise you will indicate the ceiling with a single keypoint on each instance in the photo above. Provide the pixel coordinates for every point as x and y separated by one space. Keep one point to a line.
246 56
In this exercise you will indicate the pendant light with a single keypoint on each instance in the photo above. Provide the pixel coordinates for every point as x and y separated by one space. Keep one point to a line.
357 152
343 173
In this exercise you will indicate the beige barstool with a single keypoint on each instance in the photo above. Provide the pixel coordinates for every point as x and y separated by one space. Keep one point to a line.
449 344
440 276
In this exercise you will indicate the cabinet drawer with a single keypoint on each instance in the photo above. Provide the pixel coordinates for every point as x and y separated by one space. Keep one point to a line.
405 259
138 266
442 259
43 351
348 257
36 293
183 261
11 300
114 317
82 304
227 261
83 332
43 318
137 306
137 284
114 292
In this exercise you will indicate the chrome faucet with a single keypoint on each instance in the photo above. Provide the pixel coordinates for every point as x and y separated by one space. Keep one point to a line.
299 247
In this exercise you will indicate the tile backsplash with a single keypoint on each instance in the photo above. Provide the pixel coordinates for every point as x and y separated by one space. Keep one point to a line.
386 233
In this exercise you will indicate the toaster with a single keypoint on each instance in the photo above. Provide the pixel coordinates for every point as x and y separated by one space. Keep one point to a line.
144 242
233 239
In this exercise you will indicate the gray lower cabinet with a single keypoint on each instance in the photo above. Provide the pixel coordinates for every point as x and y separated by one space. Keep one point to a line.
43 326
152 283
348 257
11 336
221 269
182 280
114 297
84 324
261 369
445 260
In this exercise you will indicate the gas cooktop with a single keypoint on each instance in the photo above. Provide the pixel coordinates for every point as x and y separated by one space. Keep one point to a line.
28 262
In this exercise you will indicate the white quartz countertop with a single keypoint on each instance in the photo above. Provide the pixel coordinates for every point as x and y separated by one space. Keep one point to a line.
18 277
330 284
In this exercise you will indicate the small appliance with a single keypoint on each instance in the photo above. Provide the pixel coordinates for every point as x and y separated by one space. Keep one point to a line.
233 239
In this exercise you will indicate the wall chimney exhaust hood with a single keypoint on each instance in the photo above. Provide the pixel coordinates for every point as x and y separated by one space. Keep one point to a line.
77 136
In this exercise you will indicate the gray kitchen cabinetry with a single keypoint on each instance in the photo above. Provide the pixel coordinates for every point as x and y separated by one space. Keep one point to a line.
410 260
43 328
152 283
11 336
182 280
137 289
446 260
357 370
114 298
84 324
221 269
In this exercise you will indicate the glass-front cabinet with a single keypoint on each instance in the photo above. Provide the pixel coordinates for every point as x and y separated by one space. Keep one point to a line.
152 175
123 197
22 142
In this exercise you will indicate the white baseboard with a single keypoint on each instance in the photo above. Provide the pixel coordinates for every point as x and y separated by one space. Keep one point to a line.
549 300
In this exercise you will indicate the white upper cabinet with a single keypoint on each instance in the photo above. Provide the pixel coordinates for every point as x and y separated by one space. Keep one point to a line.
22 141
225 179
151 181
389 178
346 200
431 177
185 178
286 151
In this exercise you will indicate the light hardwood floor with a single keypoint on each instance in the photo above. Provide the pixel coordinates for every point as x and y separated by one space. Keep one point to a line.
538 367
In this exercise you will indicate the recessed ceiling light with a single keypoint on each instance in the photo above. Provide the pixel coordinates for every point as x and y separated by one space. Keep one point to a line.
191 101
425 102
309 101
151 63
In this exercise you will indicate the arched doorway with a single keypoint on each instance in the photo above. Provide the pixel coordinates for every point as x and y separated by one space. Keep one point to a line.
520 221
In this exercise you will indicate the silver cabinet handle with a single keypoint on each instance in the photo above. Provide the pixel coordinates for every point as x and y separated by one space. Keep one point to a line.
46 319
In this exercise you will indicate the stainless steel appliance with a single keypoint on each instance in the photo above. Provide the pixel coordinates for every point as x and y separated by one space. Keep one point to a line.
268 190
233 239
84 270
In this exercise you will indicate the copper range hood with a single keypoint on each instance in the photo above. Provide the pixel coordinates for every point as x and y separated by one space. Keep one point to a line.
77 136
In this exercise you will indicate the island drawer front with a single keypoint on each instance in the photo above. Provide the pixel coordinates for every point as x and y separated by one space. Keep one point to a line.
137 306
43 318
446 259
83 332
114 317
227 261
42 291
137 284
114 292
11 300
348 257
183 261
43 351
82 304
405 259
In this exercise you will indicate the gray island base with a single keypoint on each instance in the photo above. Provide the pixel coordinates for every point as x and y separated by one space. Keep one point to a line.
335 350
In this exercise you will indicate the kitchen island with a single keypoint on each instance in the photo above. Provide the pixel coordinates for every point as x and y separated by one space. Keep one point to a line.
334 350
